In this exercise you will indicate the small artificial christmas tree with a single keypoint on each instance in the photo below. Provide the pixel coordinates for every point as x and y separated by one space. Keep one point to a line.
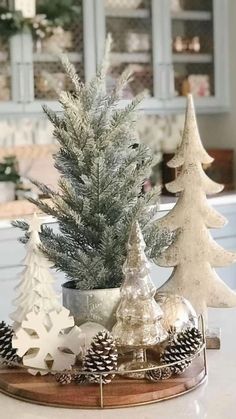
138 314
194 252
35 288
102 167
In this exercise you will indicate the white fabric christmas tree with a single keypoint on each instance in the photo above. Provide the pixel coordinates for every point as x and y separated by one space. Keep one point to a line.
194 252
35 288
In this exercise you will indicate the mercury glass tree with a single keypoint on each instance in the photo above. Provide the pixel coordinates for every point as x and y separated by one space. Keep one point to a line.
138 315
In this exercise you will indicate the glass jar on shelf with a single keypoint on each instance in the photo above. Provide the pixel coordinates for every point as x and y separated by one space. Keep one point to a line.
193 48
62 32
130 25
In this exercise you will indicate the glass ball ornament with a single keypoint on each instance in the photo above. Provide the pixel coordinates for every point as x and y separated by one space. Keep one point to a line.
178 312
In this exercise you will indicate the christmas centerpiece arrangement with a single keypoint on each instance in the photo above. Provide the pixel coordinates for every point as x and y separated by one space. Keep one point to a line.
114 340
44 341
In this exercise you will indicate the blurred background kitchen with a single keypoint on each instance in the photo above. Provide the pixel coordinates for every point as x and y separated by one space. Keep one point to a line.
172 47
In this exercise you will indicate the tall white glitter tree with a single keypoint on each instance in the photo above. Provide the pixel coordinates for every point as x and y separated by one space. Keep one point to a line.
194 253
35 287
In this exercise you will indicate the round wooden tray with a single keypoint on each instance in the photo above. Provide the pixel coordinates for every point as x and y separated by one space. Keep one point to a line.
122 392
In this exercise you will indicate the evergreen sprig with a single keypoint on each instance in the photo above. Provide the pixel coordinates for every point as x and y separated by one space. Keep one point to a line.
102 167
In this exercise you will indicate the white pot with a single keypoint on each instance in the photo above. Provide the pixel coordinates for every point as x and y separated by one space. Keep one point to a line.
7 192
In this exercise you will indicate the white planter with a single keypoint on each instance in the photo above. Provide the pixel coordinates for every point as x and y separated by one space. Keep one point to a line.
7 192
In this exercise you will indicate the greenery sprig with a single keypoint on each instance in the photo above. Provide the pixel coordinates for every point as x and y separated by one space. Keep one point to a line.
8 170
50 14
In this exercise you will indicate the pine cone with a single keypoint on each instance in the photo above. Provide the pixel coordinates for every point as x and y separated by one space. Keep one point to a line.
80 378
64 378
166 373
159 374
184 344
153 375
7 353
101 357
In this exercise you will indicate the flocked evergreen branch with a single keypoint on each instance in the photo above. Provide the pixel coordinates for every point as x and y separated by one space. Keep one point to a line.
102 168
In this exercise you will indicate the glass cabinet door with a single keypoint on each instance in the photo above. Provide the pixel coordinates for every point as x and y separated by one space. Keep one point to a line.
130 25
5 72
193 47
5 66
64 34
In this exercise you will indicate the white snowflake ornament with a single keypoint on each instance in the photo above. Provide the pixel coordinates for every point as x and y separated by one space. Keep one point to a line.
48 348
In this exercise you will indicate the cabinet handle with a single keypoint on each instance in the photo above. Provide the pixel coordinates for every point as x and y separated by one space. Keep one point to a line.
20 71
30 82
162 70
171 84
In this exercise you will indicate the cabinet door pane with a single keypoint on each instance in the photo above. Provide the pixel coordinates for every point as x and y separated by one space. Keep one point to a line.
130 24
64 34
193 47
5 71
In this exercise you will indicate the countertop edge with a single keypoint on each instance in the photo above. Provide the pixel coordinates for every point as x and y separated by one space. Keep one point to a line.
167 203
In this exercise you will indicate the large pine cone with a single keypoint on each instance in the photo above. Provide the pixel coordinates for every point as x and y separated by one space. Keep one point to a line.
7 353
101 357
184 344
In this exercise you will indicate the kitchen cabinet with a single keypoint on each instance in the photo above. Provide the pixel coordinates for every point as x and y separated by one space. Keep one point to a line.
171 47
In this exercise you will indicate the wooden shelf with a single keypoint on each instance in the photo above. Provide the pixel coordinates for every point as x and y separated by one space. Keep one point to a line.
127 13
191 15
48 57
130 57
192 58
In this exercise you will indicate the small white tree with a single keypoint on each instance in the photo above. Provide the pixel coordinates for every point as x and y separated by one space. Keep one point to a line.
195 252
35 287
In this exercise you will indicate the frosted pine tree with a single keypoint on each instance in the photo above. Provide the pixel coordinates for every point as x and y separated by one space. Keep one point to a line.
194 252
102 168
35 287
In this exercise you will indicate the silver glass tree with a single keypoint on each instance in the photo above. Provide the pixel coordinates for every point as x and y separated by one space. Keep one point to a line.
138 315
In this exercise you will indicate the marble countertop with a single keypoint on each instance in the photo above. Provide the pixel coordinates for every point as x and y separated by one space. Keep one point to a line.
215 399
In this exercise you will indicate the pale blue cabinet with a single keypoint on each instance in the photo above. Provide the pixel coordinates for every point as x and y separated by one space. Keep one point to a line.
171 46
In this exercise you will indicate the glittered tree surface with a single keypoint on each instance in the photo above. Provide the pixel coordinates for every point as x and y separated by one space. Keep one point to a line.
194 252
35 289
138 314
